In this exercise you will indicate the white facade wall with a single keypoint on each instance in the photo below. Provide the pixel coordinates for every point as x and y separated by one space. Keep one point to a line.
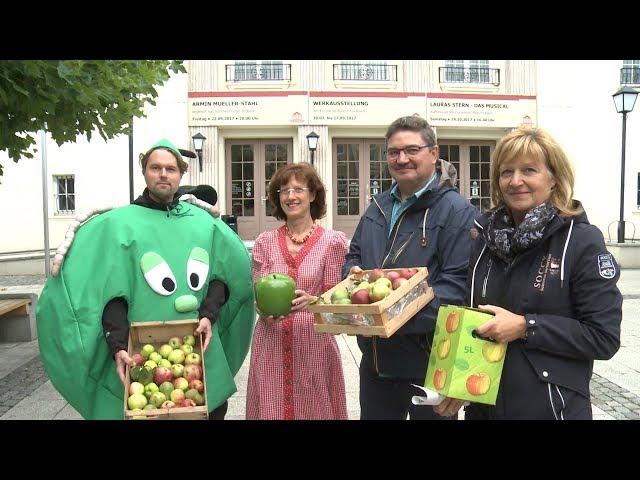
575 104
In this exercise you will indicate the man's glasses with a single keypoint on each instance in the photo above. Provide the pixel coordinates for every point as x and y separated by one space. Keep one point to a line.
410 151
287 191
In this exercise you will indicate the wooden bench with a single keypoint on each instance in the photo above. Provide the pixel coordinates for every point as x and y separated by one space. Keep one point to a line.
15 306
17 317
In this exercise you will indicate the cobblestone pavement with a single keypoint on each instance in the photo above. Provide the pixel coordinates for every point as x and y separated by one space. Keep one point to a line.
21 383
612 399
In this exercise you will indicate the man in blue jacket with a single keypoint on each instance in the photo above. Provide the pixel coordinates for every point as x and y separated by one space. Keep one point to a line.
421 221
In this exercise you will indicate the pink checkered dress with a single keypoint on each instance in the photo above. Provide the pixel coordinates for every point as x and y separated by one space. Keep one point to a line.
294 372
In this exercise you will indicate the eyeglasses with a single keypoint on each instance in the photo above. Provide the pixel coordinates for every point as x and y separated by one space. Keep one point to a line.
287 191
410 151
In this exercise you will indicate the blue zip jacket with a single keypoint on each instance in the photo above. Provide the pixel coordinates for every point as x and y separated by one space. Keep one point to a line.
433 232
565 287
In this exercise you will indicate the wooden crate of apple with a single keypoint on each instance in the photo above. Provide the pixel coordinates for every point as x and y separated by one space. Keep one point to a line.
168 381
370 294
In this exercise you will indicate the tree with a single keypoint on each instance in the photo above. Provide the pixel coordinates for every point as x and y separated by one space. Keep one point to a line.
74 97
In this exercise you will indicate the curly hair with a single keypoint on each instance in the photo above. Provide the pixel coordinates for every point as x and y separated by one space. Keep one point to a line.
538 144
302 172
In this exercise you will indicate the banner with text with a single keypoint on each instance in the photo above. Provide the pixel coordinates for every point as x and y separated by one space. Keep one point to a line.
481 112
374 110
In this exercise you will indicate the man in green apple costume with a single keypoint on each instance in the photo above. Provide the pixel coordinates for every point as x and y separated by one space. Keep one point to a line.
160 263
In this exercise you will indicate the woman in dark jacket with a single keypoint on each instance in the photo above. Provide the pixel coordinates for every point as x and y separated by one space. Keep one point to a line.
544 271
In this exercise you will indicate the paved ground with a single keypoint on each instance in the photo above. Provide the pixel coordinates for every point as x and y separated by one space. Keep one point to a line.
26 392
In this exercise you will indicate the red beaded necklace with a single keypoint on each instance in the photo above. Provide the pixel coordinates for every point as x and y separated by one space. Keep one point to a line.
294 239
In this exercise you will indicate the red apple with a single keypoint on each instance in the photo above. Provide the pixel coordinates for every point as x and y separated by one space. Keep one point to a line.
408 272
478 383
192 372
397 283
360 296
188 402
161 375
138 358
197 385
392 276
168 404
375 274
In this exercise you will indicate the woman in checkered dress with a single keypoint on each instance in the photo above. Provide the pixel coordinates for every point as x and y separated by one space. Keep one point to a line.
294 372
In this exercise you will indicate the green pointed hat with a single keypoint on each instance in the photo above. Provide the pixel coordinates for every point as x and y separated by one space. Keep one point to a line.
165 143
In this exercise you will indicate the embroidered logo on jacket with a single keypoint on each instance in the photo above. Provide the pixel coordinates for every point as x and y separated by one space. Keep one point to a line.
548 266
606 266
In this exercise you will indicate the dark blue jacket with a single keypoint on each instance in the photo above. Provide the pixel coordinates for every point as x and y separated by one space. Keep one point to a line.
566 289
443 246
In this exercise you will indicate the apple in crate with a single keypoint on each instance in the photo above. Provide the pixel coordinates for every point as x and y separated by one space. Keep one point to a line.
150 389
177 369
187 402
393 276
137 400
196 385
155 357
147 350
375 274
177 395
380 290
181 383
175 342
168 404
408 272
164 363
189 340
138 359
339 295
176 356
161 375
158 398
361 296
166 388
192 372
186 348
397 283
136 387
165 350
192 359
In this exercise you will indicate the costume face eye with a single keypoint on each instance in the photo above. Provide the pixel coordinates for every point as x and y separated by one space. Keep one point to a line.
197 268
157 273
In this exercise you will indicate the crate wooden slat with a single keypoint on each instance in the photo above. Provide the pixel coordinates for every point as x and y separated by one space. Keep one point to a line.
158 333
382 327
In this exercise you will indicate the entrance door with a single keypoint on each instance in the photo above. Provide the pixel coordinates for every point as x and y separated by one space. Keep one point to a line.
250 166
472 160
360 171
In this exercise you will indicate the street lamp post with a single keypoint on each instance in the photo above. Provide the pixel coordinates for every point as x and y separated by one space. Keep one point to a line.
624 100
198 142
312 141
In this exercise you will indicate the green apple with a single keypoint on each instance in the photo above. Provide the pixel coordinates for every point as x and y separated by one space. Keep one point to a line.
147 350
155 357
274 293
186 349
166 388
157 398
175 342
177 369
137 400
380 290
165 350
150 364
339 294
164 363
384 281
189 340
150 389
177 356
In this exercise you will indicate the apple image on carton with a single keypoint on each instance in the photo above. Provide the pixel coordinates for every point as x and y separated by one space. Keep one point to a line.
453 320
494 352
478 383
439 378
443 348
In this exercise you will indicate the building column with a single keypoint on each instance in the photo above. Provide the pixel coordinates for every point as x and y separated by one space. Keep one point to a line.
323 163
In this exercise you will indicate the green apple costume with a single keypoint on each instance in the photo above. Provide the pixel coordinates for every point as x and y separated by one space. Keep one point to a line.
161 263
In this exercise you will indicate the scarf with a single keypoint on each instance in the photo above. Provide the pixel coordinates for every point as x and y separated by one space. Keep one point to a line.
506 240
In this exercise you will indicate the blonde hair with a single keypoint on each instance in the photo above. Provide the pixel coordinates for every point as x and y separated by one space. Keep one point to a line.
538 144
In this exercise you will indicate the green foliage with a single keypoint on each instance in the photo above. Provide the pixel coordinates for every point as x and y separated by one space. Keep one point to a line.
74 97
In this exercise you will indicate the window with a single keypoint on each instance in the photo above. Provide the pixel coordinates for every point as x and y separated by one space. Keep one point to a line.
365 70
65 196
469 71
258 70
630 72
